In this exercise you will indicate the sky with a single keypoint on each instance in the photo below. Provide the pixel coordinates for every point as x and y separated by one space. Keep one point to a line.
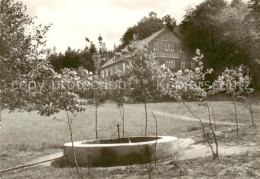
73 20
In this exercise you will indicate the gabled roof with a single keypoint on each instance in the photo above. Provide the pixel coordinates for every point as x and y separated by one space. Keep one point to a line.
145 41
111 61
148 39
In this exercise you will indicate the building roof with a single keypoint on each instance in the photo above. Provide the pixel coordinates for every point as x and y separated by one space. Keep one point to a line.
111 62
148 39
145 41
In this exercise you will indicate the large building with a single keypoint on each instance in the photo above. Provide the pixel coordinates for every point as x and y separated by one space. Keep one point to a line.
167 48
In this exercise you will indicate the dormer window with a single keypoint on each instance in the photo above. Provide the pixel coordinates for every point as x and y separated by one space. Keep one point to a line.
166 47
172 47
156 48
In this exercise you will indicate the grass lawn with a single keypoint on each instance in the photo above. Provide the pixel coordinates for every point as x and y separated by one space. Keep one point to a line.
223 110
25 136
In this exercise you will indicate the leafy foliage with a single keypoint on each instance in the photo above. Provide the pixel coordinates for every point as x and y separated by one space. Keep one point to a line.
235 82
224 32
145 27
22 48
85 58
74 59
143 71
28 81
187 84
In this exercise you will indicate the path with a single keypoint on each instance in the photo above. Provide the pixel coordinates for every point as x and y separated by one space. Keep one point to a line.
189 150
185 118
47 157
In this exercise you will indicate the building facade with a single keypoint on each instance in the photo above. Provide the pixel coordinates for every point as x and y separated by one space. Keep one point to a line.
166 46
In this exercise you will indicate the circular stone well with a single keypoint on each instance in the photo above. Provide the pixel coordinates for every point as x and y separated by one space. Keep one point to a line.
124 151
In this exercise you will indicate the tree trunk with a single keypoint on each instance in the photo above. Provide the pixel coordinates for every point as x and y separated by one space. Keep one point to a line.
118 132
235 107
0 116
156 135
215 155
71 138
145 108
251 113
123 121
122 115
214 118
96 123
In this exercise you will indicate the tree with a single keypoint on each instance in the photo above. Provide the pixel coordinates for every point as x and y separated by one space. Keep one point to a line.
169 22
254 5
205 27
143 72
97 95
145 27
189 84
86 57
252 39
234 82
22 49
227 34
97 90
118 91
74 59
27 78
240 28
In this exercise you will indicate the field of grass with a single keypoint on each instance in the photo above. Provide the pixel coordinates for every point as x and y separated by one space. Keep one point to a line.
223 110
25 136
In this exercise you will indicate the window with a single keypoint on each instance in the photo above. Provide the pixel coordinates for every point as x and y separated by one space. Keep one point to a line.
182 64
166 47
170 64
156 46
123 66
106 72
192 65
111 71
124 53
172 47
102 74
181 51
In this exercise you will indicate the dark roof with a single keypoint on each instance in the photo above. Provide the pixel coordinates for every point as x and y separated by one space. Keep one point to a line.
145 41
111 62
